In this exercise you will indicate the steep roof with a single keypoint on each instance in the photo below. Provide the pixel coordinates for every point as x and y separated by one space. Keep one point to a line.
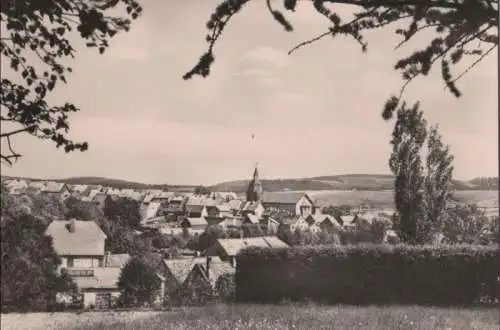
215 270
180 268
88 239
284 197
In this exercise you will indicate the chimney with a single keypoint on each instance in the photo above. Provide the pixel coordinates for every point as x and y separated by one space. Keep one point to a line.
209 259
72 226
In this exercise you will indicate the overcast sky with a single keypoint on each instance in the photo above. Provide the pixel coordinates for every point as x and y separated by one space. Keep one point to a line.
316 112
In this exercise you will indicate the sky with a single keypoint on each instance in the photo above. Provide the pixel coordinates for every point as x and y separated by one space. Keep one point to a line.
316 112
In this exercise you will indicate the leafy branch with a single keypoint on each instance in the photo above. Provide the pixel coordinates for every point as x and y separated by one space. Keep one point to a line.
40 28
460 28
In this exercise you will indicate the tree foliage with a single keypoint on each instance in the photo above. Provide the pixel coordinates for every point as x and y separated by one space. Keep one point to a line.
421 195
138 282
36 43
459 29
123 210
405 162
81 210
29 263
438 184
465 224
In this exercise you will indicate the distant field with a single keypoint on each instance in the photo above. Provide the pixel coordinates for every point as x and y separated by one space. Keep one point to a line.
265 317
385 198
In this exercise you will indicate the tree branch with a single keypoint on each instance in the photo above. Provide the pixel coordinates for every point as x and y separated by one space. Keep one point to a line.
6 135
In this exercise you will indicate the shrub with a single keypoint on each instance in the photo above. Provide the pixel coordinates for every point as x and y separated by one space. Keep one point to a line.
226 287
369 274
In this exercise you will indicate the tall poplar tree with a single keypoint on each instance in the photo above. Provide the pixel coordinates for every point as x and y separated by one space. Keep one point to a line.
438 184
408 137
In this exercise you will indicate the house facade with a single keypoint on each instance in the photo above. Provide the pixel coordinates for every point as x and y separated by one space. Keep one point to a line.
296 203
80 244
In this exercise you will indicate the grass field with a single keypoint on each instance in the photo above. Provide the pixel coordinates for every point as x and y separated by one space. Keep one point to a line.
385 198
265 317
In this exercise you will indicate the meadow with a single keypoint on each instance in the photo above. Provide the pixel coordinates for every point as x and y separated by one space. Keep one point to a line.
384 199
289 316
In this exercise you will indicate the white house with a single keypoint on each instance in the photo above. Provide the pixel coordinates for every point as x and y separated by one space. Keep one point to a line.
79 244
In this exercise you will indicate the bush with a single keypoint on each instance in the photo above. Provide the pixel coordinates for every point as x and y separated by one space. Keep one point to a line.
226 287
369 274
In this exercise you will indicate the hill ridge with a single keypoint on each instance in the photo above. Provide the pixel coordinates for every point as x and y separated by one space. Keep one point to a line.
372 182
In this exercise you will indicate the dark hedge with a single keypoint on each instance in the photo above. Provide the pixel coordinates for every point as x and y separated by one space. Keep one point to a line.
370 274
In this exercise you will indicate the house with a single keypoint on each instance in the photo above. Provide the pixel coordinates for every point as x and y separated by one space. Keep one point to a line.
98 287
328 223
348 221
175 206
196 211
79 190
297 203
79 244
56 189
296 222
227 248
175 272
199 287
194 225
253 207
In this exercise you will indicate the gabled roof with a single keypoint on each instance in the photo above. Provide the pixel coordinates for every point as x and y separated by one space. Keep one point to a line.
232 246
88 239
284 197
180 268
215 270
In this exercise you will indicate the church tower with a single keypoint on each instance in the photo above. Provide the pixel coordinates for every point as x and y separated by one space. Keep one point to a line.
254 190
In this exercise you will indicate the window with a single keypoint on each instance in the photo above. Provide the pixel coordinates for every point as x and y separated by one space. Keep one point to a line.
70 261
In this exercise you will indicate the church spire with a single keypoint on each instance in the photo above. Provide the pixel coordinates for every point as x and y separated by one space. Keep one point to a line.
254 190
